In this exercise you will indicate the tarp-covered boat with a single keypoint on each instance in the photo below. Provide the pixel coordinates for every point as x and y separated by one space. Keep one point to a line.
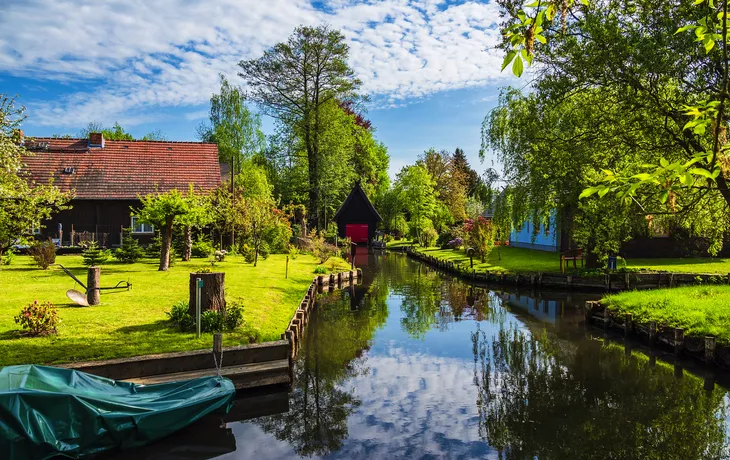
48 411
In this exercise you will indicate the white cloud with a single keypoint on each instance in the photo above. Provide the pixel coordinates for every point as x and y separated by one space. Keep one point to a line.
131 57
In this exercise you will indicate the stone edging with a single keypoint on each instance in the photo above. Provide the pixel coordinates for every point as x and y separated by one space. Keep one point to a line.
607 283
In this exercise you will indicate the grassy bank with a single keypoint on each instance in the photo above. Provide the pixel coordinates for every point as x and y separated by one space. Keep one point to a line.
699 310
520 260
129 323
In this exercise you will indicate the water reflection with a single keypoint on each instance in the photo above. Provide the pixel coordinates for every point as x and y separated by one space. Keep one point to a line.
540 396
414 364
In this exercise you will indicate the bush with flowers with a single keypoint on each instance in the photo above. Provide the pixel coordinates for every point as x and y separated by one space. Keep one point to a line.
479 235
38 318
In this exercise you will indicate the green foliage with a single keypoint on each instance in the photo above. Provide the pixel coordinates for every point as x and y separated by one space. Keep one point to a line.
202 247
320 270
131 251
38 318
7 258
43 253
234 315
23 205
211 321
94 256
117 133
418 195
479 235
429 237
179 316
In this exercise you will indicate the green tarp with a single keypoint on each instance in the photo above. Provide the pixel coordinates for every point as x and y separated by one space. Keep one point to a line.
47 411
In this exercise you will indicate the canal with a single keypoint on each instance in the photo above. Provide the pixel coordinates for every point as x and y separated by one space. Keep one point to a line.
415 364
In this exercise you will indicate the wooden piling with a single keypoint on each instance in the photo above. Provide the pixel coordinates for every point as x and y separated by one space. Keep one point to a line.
709 350
678 341
628 325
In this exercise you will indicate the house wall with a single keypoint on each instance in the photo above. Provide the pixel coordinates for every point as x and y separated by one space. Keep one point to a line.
357 212
106 217
544 240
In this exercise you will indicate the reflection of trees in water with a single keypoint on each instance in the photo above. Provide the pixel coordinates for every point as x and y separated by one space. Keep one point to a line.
540 397
430 301
336 338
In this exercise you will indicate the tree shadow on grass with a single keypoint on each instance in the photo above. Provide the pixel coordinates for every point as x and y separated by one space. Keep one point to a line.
151 328
10 335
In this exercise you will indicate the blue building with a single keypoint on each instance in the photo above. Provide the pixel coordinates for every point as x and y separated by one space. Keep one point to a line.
546 239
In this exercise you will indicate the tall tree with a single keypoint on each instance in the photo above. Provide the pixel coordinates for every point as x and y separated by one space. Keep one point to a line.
294 80
23 204
232 126
418 195
117 133
451 182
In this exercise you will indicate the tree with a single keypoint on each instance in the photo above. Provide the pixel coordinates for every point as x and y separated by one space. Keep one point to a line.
418 195
480 236
232 126
117 133
255 217
23 205
197 216
451 182
163 211
294 80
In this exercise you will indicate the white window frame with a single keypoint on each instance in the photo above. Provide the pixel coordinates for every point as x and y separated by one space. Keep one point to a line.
141 228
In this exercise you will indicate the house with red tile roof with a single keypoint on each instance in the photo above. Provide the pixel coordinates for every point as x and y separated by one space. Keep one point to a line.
107 179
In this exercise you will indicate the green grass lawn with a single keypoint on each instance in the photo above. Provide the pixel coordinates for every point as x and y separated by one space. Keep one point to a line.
130 323
700 310
520 260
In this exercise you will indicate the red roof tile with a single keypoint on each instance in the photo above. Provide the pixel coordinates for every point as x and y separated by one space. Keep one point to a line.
123 169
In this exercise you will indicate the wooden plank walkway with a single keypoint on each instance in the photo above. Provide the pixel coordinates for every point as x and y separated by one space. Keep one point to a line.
243 376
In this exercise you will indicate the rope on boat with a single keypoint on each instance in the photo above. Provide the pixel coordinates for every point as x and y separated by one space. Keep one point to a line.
218 365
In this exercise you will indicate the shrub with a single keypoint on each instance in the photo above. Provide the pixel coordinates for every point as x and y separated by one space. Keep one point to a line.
234 316
180 316
456 243
428 237
293 252
264 250
153 249
480 236
220 255
131 251
320 270
43 253
202 248
7 258
93 255
38 318
249 255
211 321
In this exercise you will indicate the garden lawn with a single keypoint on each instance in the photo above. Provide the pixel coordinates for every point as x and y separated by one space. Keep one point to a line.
503 259
521 260
699 310
130 323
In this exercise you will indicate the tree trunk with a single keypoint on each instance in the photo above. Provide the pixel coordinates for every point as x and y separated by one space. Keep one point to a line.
187 250
166 242
93 283
212 295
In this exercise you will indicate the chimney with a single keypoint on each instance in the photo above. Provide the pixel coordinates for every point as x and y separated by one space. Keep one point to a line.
19 137
96 140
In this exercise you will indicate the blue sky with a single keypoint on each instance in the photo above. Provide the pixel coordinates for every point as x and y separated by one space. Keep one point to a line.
430 66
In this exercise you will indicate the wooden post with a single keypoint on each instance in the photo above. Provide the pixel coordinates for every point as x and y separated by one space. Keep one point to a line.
93 283
606 318
287 268
678 341
652 332
628 324
212 296
709 350
218 343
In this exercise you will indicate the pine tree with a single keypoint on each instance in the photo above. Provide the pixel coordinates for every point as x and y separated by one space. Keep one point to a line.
93 255
130 251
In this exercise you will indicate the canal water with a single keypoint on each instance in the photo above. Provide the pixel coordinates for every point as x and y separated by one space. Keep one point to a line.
415 364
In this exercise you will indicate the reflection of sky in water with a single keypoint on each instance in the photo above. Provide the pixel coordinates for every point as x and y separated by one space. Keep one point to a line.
418 397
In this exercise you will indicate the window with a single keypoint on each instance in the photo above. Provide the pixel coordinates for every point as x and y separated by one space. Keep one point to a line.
139 227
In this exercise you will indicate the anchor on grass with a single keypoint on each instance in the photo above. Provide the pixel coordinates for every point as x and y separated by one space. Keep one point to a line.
86 298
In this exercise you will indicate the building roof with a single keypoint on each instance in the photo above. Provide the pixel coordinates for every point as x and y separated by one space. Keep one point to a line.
120 170
358 191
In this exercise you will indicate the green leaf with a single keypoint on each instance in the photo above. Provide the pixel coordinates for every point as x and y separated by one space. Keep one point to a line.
689 180
642 176
701 172
588 192
663 162
585 2
517 67
685 28
709 44
533 4
602 192
664 196
541 39
607 172
508 58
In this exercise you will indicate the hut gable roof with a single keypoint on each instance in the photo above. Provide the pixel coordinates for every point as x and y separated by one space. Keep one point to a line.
358 194
122 170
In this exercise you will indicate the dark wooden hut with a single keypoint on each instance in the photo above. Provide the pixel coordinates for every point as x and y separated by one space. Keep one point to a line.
357 218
